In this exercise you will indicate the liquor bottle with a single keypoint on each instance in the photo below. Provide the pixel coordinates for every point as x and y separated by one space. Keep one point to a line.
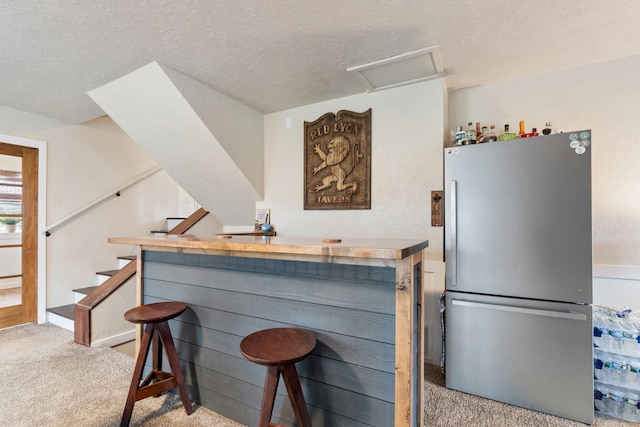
492 135
460 137
482 135
534 132
471 134
507 135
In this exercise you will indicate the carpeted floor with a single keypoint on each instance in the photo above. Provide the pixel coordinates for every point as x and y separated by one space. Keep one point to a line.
449 408
48 380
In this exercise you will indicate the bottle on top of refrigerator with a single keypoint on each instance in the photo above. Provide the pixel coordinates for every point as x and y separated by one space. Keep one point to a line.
548 130
492 135
507 135
483 135
471 134
460 137
534 132
522 131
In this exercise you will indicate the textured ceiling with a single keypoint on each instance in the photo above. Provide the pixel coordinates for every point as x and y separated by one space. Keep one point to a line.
279 54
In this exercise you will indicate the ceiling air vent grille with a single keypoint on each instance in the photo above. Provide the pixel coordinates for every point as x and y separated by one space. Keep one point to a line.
400 70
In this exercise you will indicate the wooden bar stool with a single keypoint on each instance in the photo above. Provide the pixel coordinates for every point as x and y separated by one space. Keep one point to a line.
155 316
279 349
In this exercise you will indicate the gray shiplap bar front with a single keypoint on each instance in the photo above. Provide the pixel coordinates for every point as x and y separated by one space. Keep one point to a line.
315 290
352 322
352 306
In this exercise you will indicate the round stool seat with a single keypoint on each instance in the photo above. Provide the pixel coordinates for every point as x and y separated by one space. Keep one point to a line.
155 313
278 346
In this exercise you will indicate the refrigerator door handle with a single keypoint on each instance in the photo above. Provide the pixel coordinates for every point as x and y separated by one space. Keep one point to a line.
453 225
522 310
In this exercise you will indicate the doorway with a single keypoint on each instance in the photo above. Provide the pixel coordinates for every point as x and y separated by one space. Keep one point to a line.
18 234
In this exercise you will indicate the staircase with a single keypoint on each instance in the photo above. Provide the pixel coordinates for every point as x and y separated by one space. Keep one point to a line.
64 315
77 317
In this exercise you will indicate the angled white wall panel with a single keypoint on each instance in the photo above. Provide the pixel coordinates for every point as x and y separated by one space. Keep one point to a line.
211 144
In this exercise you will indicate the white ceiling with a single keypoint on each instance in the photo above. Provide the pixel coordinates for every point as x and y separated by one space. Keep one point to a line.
279 54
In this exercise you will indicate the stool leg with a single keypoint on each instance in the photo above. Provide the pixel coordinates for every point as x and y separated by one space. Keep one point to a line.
137 375
156 352
156 361
294 389
174 362
268 395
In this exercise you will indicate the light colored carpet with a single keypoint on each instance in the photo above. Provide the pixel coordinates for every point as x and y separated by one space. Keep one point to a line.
450 408
48 380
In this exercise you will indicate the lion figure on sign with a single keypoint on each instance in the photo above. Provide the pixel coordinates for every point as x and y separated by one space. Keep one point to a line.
341 159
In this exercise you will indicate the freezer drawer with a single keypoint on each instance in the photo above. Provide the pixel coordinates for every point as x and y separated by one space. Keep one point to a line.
527 353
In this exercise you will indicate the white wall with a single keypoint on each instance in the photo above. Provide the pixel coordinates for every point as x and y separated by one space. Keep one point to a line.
86 162
603 97
406 165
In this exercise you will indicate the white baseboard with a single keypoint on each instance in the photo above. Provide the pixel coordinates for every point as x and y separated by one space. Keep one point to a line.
115 340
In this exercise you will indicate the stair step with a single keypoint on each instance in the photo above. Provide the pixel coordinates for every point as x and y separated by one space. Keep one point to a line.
171 223
63 316
66 311
85 291
125 260
108 272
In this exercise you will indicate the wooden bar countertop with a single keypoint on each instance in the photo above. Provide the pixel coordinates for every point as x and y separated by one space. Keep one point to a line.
382 249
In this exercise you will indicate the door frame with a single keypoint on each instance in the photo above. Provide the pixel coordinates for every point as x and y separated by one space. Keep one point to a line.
41 287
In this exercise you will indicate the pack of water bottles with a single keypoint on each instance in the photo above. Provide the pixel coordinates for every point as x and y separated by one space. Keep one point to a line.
616 362
617 331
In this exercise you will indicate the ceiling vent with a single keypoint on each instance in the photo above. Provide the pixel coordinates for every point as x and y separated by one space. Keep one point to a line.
404 69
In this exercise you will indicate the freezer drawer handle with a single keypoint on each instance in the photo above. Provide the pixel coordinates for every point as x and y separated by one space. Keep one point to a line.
522 310
454 233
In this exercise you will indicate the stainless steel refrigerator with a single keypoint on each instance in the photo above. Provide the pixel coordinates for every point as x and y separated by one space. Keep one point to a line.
518 259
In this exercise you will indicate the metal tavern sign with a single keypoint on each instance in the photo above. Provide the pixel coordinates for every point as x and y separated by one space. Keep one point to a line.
337 161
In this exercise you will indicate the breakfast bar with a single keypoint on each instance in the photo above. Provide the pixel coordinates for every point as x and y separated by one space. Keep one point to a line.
360 298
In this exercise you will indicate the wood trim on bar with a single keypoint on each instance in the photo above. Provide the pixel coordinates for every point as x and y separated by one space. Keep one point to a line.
385 249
